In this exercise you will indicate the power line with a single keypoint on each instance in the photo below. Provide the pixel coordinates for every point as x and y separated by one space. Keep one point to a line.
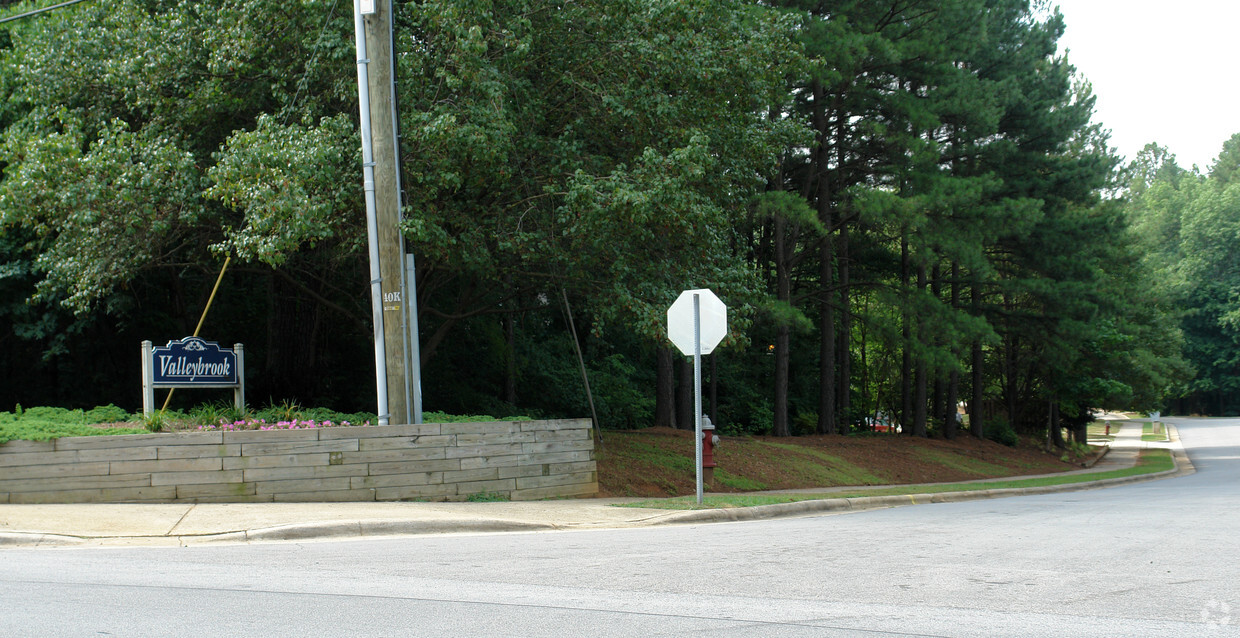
38 11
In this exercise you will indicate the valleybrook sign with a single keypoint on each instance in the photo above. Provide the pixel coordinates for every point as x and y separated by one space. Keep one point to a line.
191 363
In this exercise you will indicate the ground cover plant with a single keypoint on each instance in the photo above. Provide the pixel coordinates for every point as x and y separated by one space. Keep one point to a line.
46 423
43 424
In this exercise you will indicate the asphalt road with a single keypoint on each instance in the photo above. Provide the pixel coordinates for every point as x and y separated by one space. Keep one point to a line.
1149 559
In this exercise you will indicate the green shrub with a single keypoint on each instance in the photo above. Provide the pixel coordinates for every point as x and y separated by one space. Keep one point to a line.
42 413
803 424
620 398
45 424
999 431
759 418
215 412
107 414
285 411
444 417
352 418
156 422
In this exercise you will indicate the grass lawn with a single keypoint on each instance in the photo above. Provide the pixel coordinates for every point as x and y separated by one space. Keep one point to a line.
1153 432
1150 462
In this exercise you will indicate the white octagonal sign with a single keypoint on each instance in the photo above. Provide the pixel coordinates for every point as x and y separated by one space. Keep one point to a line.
680 321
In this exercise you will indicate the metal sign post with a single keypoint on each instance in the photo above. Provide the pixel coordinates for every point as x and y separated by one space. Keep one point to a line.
696 323
372 224
697 391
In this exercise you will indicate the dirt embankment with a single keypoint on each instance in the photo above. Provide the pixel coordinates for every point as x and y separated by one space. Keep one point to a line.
658 462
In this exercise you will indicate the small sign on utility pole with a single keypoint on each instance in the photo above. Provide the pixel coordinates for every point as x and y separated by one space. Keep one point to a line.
696 322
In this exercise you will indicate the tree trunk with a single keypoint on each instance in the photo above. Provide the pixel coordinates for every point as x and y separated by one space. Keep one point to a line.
845 334
953 378
1010 379
783 292
1055 433
827 423
684 395
978 380
714 390
919 399
938 403
510 376
953 403
906 357
1080 432
1009 369
919 402
782 352
869 404
665 388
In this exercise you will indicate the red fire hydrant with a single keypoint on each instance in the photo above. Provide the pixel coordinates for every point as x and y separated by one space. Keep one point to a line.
1108 429
709 441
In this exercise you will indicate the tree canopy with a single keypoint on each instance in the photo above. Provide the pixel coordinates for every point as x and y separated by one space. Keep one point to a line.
908 207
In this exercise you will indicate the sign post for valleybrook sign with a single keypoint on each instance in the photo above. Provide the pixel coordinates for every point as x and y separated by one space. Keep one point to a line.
191 363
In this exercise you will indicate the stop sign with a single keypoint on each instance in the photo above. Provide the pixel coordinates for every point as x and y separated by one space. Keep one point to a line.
714 321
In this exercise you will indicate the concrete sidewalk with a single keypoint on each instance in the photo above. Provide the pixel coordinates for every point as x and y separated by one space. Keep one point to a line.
88 525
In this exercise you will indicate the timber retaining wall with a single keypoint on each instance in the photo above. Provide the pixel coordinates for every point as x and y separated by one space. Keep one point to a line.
521 460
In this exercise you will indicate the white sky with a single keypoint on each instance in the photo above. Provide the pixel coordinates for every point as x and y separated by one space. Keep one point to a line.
1162 71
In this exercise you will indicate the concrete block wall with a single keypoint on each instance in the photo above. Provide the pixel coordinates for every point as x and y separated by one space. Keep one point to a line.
522 460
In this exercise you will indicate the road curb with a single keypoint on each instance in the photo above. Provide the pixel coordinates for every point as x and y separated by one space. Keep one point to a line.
861 503
371 528
291 532
38 539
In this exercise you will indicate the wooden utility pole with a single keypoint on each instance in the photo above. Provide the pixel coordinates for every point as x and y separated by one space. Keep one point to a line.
395 320
387 204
